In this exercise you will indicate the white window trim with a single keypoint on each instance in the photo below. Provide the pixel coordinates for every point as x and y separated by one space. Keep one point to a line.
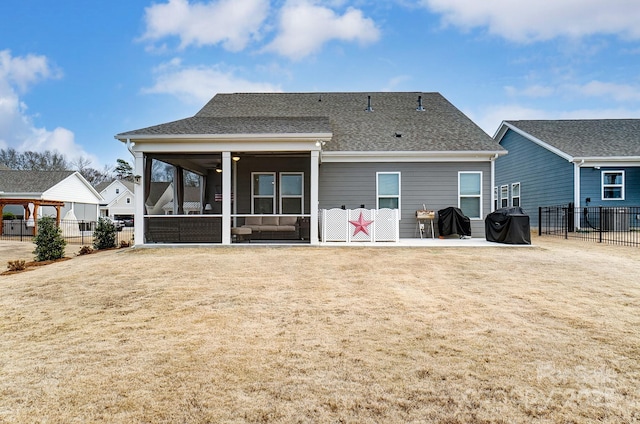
496 197
504 200
513 196
603 185
479 196
300 196
399 196
259 196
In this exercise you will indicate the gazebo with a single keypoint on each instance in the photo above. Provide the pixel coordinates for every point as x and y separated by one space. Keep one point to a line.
31 209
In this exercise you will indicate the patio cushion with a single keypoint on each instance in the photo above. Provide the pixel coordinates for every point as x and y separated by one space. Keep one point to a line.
253 220
288 220
270 220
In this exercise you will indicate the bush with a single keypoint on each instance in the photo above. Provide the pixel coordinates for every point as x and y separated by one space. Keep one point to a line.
49 242
17 265
124 243
104 236
85 250
8 216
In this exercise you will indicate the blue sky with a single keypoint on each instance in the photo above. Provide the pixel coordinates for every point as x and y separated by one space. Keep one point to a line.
73 74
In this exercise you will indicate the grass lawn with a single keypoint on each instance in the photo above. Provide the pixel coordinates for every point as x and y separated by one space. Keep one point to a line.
302 334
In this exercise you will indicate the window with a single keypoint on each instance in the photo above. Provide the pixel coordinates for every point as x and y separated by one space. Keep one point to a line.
515 194
612 185
128 200
495 197
263 193
470 193
291 192
117 190
504 196
388 190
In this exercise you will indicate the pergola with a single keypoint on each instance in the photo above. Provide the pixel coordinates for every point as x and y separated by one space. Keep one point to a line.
27 213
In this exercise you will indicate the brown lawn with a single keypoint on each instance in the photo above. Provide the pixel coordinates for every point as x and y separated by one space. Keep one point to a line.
352 335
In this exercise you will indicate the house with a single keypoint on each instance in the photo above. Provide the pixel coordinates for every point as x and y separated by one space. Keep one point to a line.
33 194
118 199
557 162
278 156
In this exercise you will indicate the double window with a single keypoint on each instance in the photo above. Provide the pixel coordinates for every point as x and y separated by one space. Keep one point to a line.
470 193
289 198
388 190
612 185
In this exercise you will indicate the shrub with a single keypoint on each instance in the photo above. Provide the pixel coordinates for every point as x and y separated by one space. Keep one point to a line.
104 236
85 250
8 216
49 242
17 265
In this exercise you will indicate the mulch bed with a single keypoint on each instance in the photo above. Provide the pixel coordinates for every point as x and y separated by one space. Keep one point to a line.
28 266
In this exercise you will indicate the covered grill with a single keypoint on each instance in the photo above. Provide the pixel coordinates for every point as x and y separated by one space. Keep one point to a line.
508 225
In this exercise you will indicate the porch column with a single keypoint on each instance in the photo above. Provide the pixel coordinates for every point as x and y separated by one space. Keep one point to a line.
226 197
313 221
139 196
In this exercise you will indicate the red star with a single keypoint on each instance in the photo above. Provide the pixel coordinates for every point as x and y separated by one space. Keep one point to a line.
360 225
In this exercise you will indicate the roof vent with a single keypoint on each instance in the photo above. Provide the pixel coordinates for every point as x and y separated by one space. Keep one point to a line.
420 108
369 108
398 134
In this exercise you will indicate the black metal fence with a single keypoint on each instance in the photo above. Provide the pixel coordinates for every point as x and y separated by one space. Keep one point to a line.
611 225
74 232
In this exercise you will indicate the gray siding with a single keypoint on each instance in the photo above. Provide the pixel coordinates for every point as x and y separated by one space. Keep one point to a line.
432 184
545 178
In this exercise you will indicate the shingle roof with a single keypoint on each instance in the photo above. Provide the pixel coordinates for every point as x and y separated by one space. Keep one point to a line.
30 181
440 127
587 137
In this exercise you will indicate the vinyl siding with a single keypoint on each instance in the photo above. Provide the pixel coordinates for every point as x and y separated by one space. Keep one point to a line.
71 189
432 184
591 186
545 178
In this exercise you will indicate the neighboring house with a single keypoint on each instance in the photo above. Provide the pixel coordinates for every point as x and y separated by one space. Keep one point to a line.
191 201
118 199
558 162
160 193
295 154
68 190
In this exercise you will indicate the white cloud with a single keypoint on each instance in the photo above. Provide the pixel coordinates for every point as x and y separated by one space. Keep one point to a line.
617 92
542 20
197 84
304 27
229 22
17 129
531 91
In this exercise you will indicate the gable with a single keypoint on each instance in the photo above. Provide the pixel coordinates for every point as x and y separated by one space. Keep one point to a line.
73 189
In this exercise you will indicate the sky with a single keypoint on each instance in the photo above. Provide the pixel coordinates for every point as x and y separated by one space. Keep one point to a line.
75 73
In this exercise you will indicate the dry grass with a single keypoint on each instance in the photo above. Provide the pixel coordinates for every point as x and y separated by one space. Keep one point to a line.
353 335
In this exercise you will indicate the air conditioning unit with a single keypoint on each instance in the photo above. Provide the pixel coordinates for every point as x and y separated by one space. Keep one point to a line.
614 219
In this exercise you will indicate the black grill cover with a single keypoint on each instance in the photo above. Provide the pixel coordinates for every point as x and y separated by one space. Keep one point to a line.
509 226
452 221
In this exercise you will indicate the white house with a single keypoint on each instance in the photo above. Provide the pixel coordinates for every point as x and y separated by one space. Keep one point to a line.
118 199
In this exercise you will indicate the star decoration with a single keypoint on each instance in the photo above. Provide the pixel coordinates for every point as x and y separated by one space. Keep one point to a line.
360 225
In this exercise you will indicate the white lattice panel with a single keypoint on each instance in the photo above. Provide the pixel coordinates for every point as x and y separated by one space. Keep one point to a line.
354 215
334 225
386 225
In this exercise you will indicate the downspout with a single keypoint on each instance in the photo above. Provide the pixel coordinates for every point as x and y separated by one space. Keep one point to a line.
130 146
576 193
493 181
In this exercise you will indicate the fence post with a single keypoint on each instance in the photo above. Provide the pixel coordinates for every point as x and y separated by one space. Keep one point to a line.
539 221
600 224
565 214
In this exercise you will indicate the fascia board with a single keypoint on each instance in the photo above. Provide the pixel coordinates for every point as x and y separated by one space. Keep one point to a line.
310 137
217 146
410 156
632 161
538 142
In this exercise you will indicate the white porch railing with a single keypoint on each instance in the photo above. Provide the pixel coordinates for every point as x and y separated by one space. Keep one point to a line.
359 225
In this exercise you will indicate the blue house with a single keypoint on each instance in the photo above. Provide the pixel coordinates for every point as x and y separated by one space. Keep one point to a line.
558 162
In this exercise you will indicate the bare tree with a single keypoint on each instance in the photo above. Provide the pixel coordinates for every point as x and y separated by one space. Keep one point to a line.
34 161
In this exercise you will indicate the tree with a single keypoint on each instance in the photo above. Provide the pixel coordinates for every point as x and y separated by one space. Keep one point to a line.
92 175
33 161
104 236
49 242
124 170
